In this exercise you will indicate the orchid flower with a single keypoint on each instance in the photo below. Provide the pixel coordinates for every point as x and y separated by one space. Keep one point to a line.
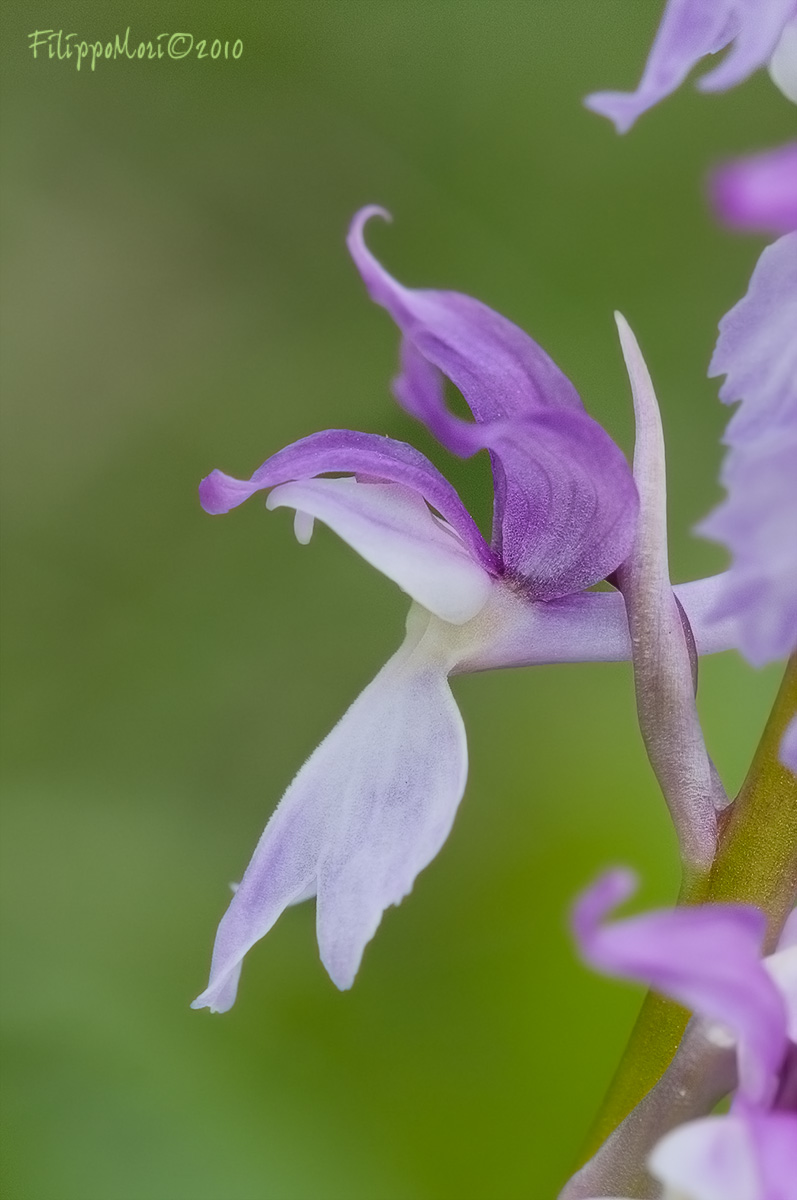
375 802
761 33
708 958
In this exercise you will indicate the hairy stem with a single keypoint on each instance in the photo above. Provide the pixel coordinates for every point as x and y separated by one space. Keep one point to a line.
756 863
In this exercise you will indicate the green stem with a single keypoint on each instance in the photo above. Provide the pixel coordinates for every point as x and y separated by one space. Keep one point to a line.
756 863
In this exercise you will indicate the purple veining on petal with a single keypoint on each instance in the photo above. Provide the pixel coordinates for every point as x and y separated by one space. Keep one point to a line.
707 958
689 30
570 503
565 502
342 450
758 193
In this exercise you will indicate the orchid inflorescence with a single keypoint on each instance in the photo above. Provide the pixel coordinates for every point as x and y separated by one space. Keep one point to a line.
374 803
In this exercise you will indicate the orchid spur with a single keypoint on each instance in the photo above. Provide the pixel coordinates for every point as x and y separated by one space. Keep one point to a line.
375 802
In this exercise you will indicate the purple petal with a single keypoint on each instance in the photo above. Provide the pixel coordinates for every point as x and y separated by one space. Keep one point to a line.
707 958
565 502
757 522
757 350
394 530
662 663
500 370
775 1137
570 503
758 193
368 810
689 30
358 453
760 27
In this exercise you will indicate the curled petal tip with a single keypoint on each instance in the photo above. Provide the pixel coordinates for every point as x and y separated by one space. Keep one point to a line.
218 493
362 217
608 892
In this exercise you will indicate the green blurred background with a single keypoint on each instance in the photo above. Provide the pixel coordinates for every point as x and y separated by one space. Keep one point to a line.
177 297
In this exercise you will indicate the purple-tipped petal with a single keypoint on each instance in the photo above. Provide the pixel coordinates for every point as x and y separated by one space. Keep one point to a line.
565 503
707 958
757 350
368 810
364 454
689 30
662 664
394 530
758 193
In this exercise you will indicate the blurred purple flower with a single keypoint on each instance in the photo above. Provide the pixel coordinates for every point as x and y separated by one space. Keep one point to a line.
375 802
709 959
757 352
759 31
758 193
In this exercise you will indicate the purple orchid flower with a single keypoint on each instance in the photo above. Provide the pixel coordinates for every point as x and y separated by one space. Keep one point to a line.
757 352
375 802
758 194
760 32
708 958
